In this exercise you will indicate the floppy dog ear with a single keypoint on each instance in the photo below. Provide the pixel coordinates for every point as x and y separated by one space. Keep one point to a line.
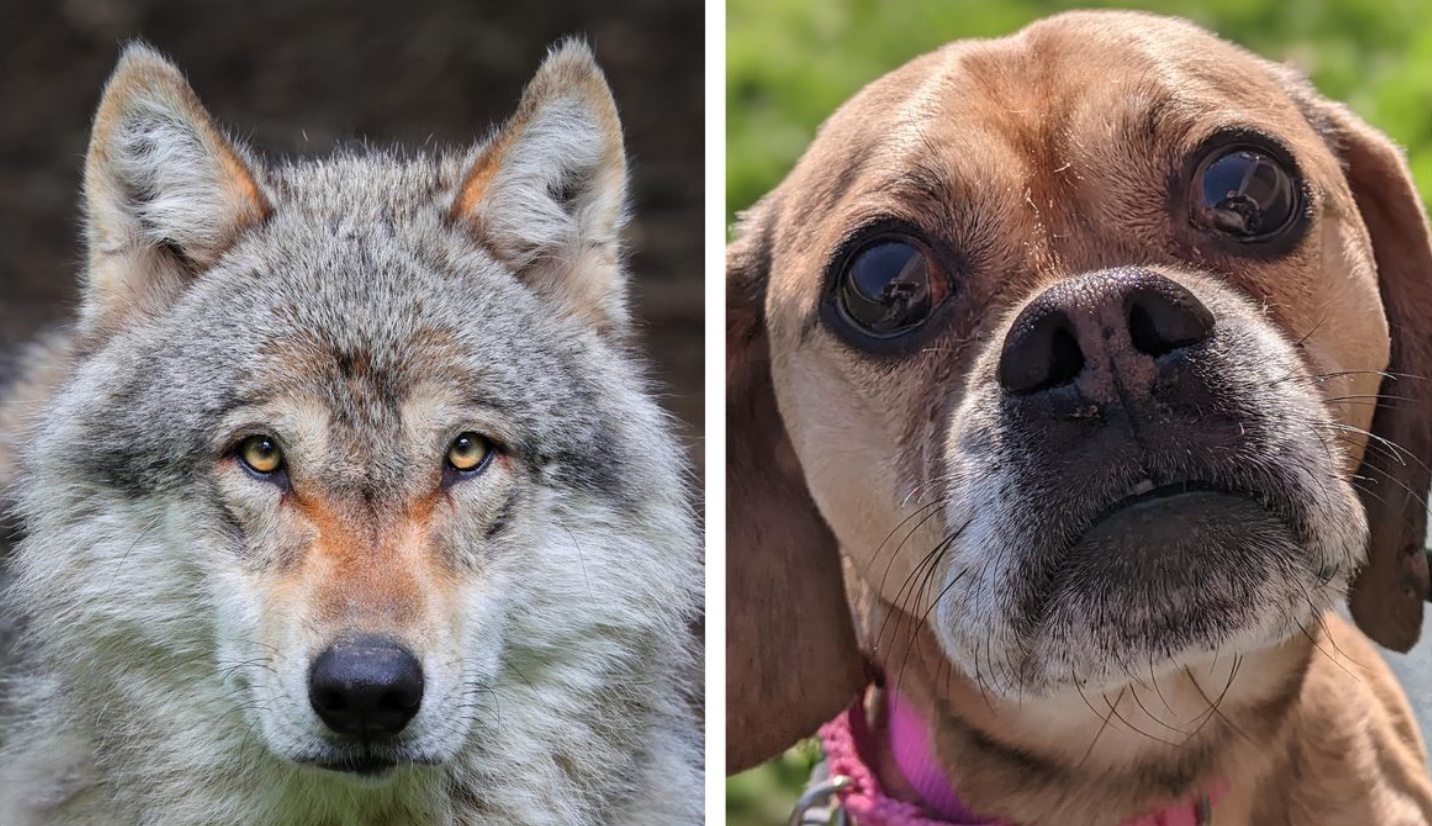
1388 594
791 658
165 192
547 193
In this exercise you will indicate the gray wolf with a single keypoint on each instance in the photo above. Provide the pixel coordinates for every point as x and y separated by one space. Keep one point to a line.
346 500
1075 377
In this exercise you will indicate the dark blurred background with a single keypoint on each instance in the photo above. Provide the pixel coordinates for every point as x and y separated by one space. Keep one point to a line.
293 77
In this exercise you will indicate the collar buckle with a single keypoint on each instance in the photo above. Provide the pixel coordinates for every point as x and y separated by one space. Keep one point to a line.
820 804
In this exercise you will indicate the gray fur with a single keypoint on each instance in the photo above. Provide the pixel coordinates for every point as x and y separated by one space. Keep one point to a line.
142 694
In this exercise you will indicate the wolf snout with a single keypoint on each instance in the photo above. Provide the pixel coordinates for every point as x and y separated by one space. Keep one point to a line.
1102 333
366 687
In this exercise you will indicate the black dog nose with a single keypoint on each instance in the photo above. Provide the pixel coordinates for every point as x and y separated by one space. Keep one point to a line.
366 687
1123 318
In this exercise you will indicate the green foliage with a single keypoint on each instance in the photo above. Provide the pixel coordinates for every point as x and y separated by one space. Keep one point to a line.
790 63
764 796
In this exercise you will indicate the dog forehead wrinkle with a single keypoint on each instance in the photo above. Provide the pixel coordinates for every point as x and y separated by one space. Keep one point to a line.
834 188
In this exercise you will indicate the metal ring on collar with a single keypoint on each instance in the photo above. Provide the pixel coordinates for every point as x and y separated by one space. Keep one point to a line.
817 794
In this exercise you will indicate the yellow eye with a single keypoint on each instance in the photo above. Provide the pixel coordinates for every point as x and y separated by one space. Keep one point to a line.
261 454
468 452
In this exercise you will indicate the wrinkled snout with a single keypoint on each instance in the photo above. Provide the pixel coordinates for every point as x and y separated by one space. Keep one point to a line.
1103 333
1132 427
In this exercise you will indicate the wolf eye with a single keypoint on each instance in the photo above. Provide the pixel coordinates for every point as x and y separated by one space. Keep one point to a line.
1246 194
468 453
261 454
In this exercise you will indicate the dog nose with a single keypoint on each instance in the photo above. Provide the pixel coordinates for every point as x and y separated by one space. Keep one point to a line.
367 687
1124 318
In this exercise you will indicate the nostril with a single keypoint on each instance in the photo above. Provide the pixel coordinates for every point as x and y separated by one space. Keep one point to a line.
1165 317
1145 335
1066 360
332 701
1041 352
399 701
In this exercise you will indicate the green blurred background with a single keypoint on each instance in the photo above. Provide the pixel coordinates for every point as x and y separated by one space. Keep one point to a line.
790 63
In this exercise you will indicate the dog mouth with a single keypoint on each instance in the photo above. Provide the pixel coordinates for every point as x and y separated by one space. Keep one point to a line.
1154 567
1161 542
1145 494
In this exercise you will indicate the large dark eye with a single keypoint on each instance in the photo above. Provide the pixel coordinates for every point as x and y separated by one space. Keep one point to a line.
890 286
1245 193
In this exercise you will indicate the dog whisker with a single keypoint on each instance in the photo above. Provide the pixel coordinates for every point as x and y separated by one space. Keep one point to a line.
1394 450
1134 691
1102 726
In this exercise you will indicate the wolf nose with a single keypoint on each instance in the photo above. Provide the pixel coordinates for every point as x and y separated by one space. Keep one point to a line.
1088 330
366 687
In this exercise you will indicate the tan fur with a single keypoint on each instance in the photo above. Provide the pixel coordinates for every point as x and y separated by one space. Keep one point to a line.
763 473
1057 163
1340 748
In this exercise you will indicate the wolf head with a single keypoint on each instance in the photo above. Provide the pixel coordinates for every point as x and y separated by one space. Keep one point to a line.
355 472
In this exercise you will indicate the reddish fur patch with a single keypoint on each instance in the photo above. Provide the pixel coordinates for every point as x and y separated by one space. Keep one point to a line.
249 204
474 186
361 572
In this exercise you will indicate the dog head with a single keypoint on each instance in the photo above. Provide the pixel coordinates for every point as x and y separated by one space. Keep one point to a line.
1096 353
366 445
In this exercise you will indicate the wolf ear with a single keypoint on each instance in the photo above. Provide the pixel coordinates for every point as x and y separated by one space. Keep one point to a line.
1387 597
791 658
547 194
165 192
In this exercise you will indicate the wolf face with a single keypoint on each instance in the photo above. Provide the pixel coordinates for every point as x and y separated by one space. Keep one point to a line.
354 500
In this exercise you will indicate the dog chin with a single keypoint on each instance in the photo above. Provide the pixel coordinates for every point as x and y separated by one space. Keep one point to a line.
1153 584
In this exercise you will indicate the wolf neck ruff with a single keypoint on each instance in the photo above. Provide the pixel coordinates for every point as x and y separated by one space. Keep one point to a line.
859 798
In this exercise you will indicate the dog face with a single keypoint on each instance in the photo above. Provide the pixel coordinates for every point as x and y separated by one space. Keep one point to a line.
1075 339
388 483
1058 318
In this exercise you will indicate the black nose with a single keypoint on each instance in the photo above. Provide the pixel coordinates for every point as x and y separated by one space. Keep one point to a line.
366 687
1124 319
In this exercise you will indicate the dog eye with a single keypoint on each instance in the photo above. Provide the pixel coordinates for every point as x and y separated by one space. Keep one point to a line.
468 453
1244 193
261 455
890 286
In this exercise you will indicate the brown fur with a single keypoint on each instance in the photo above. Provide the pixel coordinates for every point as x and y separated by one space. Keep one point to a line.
1058 164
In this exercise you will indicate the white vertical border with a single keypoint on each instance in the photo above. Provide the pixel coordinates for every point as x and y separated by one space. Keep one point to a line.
715 412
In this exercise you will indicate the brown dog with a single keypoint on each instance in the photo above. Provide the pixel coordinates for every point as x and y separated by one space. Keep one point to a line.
1098 357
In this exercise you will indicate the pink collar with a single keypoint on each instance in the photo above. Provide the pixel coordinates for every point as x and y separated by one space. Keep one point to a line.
868 805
